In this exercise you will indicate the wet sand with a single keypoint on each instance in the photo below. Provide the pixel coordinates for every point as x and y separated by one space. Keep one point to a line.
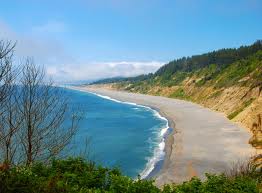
201 141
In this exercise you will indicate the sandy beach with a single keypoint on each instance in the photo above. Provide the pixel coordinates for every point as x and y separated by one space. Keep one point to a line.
202 140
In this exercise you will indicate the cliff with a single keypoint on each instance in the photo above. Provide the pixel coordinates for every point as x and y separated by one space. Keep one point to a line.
227 80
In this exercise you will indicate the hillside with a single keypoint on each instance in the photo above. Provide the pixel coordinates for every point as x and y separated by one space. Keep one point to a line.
227 80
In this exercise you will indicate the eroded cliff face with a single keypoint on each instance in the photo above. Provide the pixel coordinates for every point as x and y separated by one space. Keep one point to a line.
241 104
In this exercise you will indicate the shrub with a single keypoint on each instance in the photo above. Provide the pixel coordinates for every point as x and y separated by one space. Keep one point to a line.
75 175
179 93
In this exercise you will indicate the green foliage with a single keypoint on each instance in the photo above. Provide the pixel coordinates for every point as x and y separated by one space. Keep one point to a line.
122 79
235 113
70 175
222 58
179 93
221 68
176 79
241 69
179 77
215 183
207 74
75 175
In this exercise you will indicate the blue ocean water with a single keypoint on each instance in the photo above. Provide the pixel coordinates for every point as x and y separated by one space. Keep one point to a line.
119 134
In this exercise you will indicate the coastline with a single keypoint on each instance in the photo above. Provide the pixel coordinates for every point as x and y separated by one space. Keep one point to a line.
188 151
150 171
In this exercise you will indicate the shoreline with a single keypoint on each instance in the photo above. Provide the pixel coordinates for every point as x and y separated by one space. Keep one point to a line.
201 140
169 141
167 135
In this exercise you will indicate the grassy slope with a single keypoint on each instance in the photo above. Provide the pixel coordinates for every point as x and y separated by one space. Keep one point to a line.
234 90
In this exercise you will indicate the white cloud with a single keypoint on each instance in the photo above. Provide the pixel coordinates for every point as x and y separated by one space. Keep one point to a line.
94 71
62 66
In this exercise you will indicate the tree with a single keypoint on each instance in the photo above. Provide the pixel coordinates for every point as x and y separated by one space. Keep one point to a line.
34 122
7 75
43 109
6 53
10 123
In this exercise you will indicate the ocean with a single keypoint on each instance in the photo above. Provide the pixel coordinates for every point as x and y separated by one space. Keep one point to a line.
119 134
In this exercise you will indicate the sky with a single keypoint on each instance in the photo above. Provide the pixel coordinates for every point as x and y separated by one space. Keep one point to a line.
92 39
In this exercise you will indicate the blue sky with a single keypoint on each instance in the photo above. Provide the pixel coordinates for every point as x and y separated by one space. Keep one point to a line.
89 39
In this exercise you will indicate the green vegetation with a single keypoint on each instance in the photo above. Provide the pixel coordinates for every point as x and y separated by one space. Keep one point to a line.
24 140
222 58
226 66
235 113
212 80
215 80
75 175
179 93
222 68
248 68
176 79
179 77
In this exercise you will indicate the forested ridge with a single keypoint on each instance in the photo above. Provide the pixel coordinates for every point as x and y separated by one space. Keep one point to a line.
226 80
221 58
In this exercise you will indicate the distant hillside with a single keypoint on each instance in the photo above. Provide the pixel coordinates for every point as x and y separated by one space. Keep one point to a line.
109 80
226 80
123 79
221 58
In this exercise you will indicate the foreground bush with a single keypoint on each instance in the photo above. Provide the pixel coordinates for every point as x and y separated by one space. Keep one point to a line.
76 175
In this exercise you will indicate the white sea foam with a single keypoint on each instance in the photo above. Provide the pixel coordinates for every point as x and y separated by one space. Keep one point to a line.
159 152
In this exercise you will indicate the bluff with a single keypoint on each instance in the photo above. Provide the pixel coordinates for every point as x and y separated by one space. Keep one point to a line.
226 80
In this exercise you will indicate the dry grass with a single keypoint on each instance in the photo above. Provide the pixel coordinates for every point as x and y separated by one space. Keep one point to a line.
241 168
251 168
